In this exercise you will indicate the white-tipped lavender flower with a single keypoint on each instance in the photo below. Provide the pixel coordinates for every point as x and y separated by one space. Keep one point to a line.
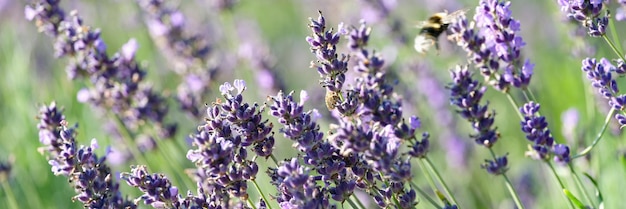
88 174
220 152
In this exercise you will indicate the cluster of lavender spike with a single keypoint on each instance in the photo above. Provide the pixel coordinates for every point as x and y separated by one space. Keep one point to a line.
493 45
601 74
373 129
91 177
116 81
221 155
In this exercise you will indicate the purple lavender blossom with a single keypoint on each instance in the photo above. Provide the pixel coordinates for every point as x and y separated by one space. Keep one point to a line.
493 43
536 129
116 80
600 74
466 93
323 44
587 12
498 166
88 173
220 154
297 188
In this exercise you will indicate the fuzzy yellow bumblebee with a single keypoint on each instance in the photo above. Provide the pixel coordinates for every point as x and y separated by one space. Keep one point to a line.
433 27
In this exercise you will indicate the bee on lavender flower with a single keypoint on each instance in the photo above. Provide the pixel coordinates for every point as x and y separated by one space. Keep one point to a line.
433 27
332 98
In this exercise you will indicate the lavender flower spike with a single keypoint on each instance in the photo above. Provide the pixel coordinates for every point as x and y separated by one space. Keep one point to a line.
493 43
536 129
88 173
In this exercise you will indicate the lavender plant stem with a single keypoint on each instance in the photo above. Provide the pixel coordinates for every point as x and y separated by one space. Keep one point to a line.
358 202
580 186
612 45
432 168
615 36
251 203
394 197
260 191
352 204
127 135
424 195
509 185
560 183
174 166
9 193
429 178
598 137
512 101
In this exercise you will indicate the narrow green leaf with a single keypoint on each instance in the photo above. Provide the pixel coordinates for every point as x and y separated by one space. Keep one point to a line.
574 200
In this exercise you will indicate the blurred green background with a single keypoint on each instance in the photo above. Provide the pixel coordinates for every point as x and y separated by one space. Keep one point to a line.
31 76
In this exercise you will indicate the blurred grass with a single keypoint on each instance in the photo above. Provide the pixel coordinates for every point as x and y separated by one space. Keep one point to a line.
31 76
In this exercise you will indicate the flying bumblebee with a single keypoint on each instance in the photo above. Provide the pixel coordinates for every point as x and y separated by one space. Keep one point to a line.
433 27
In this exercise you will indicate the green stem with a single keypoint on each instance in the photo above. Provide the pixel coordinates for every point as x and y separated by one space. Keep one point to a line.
560 183
621 56
425 195
429 178
10 196
127 137
274 159
580 185
358 201
508 184
352 204
513 193
432 168
251 203
615 36
258 189
173 165
598 137
514 104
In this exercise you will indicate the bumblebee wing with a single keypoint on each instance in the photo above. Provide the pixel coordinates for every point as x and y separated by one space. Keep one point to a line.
423 42
447 19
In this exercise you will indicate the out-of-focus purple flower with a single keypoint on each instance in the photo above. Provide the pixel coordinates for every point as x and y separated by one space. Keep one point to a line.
5 169
253 49
48 16
189 53
437 98
493 43
570 118
88 173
